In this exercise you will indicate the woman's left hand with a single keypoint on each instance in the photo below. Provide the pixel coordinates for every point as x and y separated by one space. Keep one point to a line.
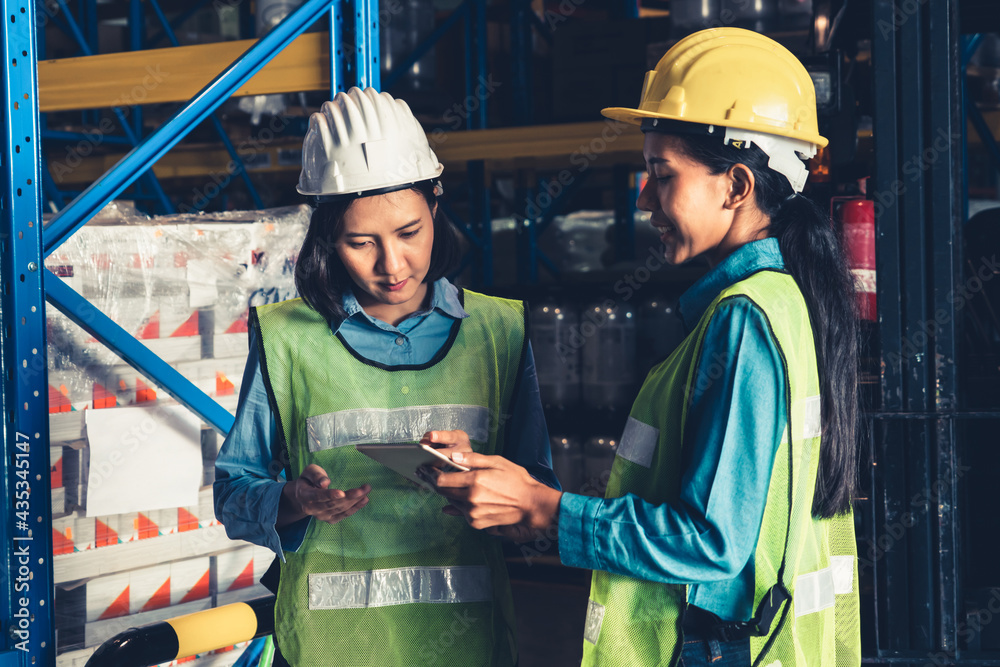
499 493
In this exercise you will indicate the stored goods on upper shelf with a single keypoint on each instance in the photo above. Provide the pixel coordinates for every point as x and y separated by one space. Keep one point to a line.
556 342
608 330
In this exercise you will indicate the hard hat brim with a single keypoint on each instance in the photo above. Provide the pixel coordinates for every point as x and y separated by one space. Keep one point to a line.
636 116
382 189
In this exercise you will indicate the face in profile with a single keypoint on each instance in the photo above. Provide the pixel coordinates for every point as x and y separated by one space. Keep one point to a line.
686 201
385 246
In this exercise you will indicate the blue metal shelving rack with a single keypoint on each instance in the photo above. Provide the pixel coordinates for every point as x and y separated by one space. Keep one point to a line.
26 588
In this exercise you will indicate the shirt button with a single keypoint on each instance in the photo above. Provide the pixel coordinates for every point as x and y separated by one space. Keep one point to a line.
405 390
400 340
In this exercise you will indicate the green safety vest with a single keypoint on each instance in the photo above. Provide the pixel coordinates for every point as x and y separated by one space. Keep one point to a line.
635 622
398 583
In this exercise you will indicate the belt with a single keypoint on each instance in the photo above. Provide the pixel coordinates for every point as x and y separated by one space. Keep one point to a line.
698 621
705 624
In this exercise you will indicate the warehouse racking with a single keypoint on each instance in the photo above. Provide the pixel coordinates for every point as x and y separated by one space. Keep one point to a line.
919 267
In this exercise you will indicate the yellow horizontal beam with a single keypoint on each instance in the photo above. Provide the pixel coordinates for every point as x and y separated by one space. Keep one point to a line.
580 142
176 74
576 146
189 161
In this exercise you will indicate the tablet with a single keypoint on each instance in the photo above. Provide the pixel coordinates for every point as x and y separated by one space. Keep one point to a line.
406 457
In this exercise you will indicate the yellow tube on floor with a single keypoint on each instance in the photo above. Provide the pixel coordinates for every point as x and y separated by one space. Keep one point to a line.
213 628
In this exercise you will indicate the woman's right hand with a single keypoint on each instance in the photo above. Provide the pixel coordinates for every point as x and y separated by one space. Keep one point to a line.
310 495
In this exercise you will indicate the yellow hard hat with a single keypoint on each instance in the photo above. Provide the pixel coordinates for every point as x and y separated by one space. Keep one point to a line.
739 80
730 77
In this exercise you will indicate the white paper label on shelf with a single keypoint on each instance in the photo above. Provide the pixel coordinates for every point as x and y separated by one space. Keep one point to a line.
142 459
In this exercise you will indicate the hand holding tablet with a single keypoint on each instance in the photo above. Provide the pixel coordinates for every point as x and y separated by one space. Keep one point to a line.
407 457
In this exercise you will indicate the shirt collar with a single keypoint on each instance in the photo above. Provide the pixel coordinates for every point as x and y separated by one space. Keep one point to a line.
444 299
744 261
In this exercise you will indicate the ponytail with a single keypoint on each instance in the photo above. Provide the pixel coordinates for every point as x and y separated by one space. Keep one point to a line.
815 258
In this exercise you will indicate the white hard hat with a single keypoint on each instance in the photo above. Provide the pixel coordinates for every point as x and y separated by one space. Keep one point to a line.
364 142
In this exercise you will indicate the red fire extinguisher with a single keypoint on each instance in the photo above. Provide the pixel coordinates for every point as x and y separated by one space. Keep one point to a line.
857 220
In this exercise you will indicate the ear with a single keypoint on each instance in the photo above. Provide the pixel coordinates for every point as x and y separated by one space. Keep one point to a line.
741 186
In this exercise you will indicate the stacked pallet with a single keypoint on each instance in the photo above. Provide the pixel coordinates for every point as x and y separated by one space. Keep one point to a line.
183 286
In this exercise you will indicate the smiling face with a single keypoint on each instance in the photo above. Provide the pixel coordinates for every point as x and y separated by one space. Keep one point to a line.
692 209
385 246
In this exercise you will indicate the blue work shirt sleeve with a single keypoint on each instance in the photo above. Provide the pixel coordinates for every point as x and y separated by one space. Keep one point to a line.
733 429
528 434
249 471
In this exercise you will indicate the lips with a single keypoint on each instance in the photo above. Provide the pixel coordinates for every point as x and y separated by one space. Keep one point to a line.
665 229
395 287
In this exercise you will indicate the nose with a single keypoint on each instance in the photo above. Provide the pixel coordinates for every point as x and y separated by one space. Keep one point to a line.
391 259
647 200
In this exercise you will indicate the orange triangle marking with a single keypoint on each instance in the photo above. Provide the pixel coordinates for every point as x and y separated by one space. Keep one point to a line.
245 579
160 599
102 397
58 399
151 329
61 544
240 325
145 527
223 387
56 473
186 521
199 591
143 394
119 607
189 328
104 536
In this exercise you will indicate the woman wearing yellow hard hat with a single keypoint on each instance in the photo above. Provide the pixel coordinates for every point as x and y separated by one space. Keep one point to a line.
726 534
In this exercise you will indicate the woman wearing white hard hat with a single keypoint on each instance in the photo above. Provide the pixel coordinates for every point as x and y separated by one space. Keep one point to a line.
725 536
380 348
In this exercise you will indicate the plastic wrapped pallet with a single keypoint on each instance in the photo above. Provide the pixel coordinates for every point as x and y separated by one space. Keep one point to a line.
183 285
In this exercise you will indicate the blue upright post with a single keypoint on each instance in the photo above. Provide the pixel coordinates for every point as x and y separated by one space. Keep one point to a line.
521 55
26 593
367 58
337 80
479 7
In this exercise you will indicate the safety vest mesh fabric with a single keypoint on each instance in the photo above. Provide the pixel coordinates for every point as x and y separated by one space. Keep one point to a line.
636 622
399 582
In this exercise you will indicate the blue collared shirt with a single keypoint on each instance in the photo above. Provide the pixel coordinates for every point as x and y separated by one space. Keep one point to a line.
249 478
733 429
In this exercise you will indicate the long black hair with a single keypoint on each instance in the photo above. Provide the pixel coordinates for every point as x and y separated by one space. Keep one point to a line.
814 256
321 278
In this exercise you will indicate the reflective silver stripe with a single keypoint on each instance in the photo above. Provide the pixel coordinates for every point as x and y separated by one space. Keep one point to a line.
378 426
843 574
638 443
595 616
812 423
815 591
402 585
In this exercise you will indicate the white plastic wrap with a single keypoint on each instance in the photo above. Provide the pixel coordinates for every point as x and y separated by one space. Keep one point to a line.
181 284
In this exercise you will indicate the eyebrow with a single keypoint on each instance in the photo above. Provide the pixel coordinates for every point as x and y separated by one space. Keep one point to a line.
399 229
658 160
